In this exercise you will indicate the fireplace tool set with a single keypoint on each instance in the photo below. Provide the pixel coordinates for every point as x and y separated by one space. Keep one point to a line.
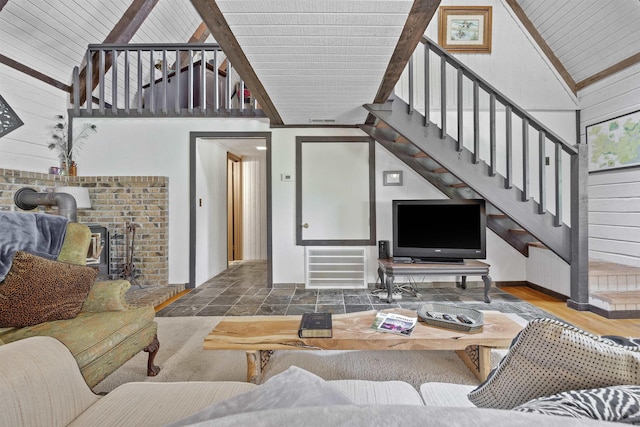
129 268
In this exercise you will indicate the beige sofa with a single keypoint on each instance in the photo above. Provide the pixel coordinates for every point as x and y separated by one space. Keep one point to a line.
41 385
107 331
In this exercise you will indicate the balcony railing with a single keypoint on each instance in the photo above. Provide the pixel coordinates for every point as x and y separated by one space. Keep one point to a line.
160 80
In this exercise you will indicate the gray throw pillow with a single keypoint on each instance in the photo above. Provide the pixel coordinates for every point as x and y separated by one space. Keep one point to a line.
295 387
549 357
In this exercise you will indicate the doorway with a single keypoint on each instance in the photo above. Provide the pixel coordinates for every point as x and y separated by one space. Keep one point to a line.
234 208
229 192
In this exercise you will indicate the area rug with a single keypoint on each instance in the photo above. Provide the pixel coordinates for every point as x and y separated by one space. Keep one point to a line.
182 358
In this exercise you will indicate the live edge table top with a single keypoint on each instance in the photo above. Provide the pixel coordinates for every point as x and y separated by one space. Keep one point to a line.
261 335
353 331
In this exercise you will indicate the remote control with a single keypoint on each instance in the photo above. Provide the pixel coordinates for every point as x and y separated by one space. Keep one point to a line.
464 319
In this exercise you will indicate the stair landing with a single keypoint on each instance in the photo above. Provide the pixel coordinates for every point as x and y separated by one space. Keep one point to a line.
614 290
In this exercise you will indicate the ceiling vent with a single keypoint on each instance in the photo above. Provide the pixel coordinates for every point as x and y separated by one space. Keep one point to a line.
322 120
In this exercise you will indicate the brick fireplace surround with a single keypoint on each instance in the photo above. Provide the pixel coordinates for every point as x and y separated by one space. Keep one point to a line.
115 200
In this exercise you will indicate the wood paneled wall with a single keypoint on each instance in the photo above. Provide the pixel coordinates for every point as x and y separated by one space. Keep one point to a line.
51 37
614 196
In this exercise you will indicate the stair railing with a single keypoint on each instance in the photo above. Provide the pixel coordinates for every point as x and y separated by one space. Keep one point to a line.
151 80
457 87
461 102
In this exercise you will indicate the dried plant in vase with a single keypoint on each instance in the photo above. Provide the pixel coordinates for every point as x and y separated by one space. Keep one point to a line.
66 146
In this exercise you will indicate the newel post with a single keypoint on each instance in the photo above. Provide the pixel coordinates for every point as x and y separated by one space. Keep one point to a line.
579 298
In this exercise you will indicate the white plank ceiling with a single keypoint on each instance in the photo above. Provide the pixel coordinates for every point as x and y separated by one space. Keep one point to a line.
51 36
587 36
320 61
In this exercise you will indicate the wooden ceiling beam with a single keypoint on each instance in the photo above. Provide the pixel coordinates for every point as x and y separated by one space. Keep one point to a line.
217 24
131 21
199 36
122 32
419 17
34 73
632 60
546 49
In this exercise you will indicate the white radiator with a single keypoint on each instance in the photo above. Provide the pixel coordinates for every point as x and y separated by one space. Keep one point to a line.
335 267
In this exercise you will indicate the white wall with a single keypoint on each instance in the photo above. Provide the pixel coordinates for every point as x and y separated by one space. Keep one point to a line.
614 196
254 207
515 66
546 269
161 148
37 105
211 214
507 264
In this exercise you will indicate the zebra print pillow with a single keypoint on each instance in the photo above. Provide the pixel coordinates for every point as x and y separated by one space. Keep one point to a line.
616 403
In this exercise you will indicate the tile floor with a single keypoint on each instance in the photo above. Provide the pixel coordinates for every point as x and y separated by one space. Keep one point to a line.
241 291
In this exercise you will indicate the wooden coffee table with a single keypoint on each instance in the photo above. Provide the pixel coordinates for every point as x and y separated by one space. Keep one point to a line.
259 336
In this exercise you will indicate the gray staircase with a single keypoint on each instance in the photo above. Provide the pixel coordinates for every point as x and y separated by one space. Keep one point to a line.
455 174
461 134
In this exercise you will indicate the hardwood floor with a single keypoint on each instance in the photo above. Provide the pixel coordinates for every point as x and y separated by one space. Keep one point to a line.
585 320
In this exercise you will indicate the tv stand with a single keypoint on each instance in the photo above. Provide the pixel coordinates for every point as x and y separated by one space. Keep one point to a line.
418 260
388 269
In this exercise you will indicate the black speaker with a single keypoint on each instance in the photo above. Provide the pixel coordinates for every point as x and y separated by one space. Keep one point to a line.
383 249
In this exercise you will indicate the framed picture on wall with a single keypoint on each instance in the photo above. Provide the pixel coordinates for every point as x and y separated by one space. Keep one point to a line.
465 29
614 143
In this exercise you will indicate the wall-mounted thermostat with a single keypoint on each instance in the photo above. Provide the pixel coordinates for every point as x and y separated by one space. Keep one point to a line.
286 177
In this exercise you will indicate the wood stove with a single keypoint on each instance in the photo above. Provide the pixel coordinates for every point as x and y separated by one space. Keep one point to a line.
98 255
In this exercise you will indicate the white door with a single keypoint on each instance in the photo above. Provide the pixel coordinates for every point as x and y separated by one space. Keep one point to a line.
335 191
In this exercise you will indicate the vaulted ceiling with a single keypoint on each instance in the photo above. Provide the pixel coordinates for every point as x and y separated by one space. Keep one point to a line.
318 62
309 62
586 40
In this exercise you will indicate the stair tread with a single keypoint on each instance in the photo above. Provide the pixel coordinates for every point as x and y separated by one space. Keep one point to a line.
537 245
401 140
440 170
518 231
421 155
603 268
459 185
618 297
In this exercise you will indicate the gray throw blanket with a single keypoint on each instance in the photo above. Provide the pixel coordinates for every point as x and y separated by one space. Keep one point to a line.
36 233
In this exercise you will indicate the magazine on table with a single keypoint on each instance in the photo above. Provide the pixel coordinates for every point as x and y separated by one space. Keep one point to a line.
394 323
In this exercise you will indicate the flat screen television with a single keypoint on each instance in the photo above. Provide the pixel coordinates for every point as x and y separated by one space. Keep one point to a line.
439 230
